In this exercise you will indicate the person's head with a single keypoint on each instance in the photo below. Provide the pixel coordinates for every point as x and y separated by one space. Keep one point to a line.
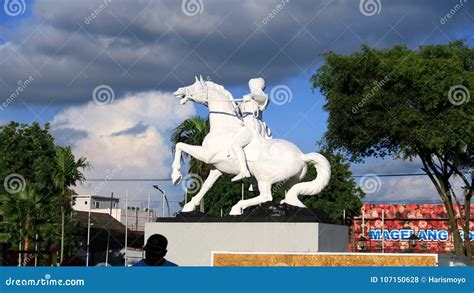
257 84
155 249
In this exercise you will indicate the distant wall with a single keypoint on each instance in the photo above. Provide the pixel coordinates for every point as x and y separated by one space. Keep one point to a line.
191 244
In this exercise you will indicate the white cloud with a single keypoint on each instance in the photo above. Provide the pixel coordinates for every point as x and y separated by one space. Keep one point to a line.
399 188
128 138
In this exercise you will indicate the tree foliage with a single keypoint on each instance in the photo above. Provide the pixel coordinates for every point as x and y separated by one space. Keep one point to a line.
406 104
44 172
66 172
192 131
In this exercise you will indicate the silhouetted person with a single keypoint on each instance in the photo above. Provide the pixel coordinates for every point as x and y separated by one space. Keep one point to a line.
155 251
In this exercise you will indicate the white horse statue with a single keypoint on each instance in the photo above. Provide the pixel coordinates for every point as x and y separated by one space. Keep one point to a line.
270 161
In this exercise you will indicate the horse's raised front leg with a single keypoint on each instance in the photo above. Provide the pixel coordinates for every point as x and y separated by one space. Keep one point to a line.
265 195
195 151
214 174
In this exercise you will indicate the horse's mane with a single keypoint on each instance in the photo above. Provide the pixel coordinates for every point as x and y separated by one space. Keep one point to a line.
220 88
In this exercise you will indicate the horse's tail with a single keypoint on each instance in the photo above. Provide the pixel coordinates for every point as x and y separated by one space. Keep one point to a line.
311 187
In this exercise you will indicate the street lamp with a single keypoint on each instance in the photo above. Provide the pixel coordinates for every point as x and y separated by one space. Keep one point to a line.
165 199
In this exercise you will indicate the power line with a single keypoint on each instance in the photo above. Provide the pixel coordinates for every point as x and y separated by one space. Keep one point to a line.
167 179
131 179
392 175
406 201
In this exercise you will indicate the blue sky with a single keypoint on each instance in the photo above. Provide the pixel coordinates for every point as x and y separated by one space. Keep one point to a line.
143 51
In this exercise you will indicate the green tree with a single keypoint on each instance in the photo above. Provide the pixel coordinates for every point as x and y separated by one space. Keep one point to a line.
407 104
342 193
28 153
224 194
65 175
193 131
24 212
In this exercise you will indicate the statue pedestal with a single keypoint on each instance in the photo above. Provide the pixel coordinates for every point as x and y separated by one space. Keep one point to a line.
192 239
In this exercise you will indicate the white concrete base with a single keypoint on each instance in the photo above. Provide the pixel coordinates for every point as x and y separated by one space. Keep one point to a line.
191 244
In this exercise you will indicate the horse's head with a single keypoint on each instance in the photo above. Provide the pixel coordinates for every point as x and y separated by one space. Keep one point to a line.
197 92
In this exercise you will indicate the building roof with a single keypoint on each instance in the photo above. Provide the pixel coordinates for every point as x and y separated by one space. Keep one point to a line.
102 221
98 197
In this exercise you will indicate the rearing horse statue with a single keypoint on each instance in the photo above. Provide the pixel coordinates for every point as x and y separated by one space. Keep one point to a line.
269 161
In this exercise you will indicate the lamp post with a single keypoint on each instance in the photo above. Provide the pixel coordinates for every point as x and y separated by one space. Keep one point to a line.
165 199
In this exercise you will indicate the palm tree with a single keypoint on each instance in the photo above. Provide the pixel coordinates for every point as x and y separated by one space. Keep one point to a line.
193 131
65 175
24 213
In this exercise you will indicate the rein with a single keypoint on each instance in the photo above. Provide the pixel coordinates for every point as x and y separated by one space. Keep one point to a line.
237 113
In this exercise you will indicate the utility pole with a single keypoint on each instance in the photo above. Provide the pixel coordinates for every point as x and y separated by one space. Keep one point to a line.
88 230
108 232
383 230
136 218
148 209
126 226
36 250
363 222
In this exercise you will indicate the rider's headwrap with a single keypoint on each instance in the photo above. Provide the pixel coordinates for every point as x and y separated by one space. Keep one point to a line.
257 85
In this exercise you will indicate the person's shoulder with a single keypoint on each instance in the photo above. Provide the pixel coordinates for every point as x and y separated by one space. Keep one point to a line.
140 263
168 263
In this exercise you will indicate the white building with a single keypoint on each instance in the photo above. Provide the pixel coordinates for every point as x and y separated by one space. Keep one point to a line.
137 216
83 202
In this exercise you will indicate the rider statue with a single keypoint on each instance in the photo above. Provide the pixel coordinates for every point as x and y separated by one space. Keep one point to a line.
251 108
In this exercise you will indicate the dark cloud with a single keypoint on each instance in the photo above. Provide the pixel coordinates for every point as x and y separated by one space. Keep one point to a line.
140 127
67 136
388 166
142 45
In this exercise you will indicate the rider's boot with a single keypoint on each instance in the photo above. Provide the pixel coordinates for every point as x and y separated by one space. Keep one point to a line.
244 171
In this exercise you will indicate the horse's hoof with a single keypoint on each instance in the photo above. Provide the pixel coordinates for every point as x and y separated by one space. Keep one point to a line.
189 207
176 177
235 211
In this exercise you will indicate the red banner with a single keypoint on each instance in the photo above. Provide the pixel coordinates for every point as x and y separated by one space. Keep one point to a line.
427 222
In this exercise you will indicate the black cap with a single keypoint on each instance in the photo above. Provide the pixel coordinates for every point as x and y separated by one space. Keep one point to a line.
156 243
